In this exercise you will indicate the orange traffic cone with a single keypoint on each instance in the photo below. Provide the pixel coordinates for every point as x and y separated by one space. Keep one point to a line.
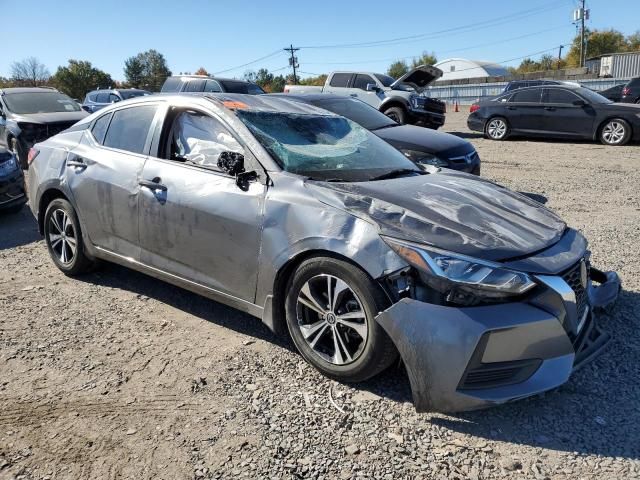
457 109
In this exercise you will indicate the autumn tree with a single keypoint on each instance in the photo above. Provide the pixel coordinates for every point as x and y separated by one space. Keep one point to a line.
29 72
79 77
424 59
201 71
598 42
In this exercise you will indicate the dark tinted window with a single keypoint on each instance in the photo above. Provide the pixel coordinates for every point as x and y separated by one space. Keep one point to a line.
195 86
361 81
172 84
528 95
129 128
635 82
235 86
39 102
113 98
340 79
360 112
93 96
135 93
102 97
212 86
556 95
100 127
385 80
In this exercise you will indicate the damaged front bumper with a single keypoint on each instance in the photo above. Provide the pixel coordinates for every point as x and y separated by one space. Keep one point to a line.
469 358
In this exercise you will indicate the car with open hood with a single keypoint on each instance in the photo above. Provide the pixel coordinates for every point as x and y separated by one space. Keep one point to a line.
325 232
404 99
30 115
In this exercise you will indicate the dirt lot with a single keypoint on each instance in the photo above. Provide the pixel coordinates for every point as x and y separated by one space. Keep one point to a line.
116 375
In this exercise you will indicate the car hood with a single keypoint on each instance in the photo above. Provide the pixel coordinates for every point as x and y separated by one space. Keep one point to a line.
449 210
424 140
51 117
419 78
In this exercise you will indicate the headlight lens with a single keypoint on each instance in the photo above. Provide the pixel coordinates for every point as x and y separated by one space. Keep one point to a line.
446 271
418 102
424 158
8 166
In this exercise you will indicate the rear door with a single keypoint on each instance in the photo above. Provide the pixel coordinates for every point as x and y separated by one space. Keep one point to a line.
359 89
195 222
562 116
338 83
103 172
524 110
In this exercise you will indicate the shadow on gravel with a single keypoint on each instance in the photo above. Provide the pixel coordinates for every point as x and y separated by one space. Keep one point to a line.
467 134
595 413
17 229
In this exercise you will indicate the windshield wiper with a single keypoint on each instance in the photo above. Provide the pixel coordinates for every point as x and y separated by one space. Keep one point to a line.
396 173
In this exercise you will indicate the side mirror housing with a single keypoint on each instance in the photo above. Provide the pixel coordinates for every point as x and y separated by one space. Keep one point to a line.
233 164
372 87
579 103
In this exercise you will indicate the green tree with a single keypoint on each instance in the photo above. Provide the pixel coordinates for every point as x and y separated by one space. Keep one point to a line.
318 81
633 42
599 42
147 70
425 59
79 77
546 62
397 69
29 72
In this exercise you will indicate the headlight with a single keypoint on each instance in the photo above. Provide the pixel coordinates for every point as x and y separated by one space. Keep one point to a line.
418 102
9 165
452 273
424 158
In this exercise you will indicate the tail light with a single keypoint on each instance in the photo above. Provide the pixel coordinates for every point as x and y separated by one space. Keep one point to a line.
31 156
474 108
626 91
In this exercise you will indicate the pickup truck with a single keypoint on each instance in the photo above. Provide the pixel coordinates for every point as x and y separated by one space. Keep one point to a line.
403 99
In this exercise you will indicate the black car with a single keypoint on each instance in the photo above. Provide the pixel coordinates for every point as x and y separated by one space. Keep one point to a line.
556 111
97 99
203 83
614 93
631 91
421 145
30 115
517 84
12 191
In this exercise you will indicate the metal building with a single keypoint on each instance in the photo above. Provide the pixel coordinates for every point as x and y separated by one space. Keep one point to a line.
619 65
458 68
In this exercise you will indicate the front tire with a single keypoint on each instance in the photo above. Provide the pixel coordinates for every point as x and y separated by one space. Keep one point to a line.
615 131
64 238
497 128
397 114
331 307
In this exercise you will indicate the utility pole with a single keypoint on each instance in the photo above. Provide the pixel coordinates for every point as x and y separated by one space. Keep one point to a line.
582 49
559 56
293 61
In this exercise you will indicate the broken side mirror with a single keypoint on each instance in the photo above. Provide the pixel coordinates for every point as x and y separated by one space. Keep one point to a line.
372 87
233 164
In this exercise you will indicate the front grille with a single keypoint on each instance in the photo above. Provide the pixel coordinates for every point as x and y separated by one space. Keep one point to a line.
57 127
434 105
573 277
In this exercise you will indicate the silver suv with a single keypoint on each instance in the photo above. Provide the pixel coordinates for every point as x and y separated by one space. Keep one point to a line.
98 99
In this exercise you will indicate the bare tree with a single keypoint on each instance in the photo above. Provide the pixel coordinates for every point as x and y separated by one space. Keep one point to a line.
29 72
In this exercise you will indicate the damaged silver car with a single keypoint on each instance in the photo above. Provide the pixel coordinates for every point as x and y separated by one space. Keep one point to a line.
309 222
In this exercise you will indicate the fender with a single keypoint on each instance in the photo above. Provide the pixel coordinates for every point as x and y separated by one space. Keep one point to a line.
394 99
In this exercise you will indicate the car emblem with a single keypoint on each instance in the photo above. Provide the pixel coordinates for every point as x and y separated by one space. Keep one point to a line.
583 274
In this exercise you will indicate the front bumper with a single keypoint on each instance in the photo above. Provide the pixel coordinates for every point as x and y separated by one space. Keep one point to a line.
426 118
474 357
475 123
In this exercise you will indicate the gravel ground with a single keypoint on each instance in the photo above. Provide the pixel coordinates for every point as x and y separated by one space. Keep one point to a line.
117 375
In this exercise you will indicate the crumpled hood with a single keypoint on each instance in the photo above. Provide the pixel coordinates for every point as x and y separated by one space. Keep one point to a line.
51 117
449 210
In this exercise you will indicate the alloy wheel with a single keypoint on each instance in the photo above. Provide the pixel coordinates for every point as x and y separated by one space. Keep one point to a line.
62 236
331 319
497 128
613 132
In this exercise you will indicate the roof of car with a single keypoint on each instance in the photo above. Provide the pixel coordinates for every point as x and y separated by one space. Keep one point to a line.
312 97
27 89
209 77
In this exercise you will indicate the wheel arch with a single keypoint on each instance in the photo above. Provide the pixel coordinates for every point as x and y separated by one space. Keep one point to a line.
598 130
46 198
395 102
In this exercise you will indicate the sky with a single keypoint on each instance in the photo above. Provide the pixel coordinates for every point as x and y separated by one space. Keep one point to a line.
333 35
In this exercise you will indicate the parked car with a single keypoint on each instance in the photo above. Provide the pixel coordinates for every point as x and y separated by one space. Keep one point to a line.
631 91
614 93
12 192
306 220
30 115
421 145
203 83
556 112
403 100
97 99
516 84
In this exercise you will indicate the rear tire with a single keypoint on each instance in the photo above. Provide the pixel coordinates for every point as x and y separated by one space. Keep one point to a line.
397 114
64 238
615 132
497 128
331 307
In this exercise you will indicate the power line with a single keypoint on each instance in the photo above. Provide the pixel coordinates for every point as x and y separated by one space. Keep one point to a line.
455 30
272 54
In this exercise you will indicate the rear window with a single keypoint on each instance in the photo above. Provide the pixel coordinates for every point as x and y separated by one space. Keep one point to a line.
129 128
233 86
212 86
102 97
93 96
194 86
39 102
340 79
172 84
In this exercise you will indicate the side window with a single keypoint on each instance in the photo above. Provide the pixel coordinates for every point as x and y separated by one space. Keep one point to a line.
113 98
195 86
212 86
198 138
102 97
528 96
361 81
556 95
340 79
93 96
100 127
129 128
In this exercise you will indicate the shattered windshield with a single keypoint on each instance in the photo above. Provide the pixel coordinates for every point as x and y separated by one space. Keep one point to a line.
324 147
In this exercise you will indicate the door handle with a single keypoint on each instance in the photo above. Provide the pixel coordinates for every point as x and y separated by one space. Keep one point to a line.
75 161
153 185
550 109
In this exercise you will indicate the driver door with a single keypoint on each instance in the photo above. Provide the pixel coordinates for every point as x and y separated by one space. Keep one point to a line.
195 222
